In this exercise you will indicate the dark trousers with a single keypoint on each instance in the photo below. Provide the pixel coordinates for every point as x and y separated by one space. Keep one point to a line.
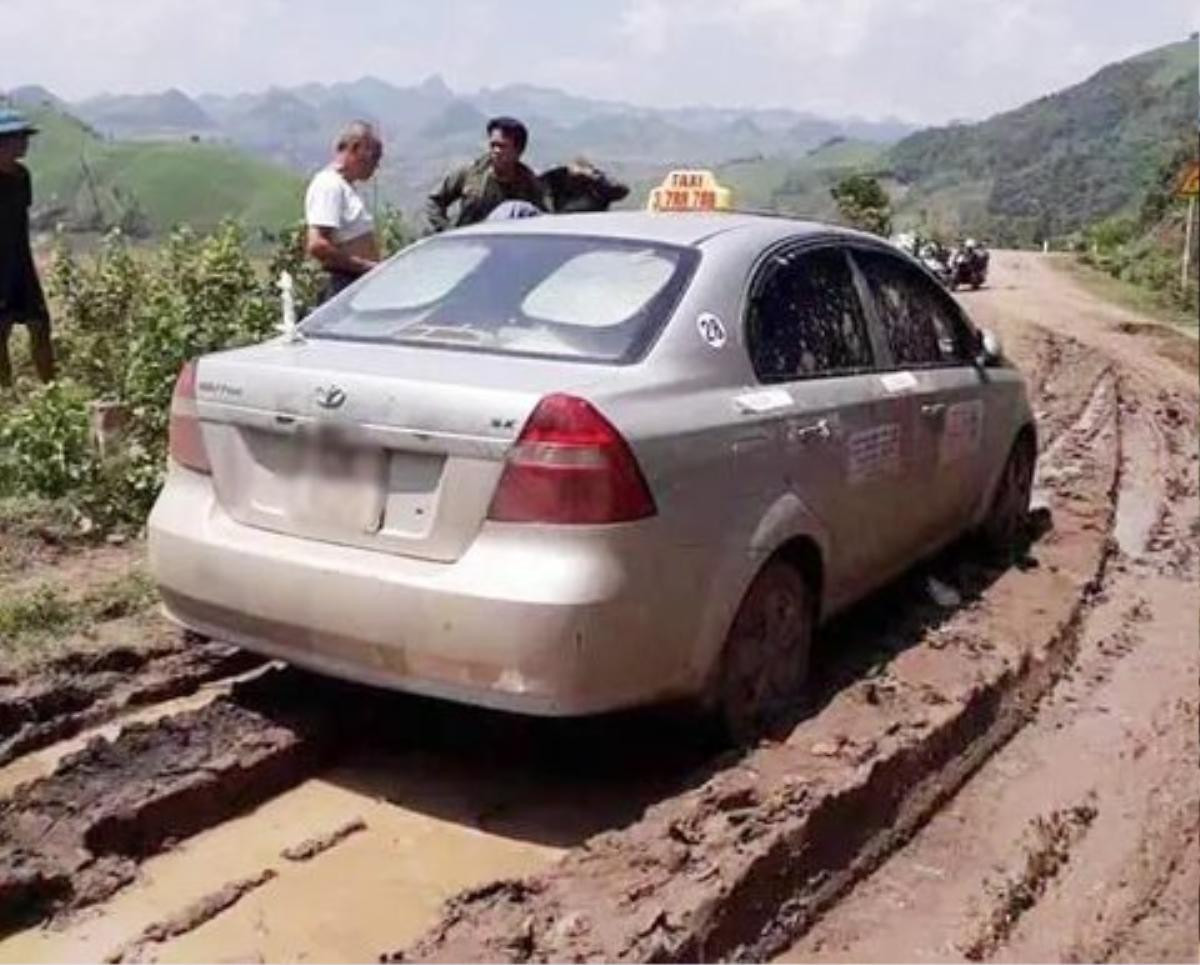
40 348
335 281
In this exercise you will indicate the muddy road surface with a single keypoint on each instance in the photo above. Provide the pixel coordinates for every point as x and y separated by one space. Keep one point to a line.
1009 773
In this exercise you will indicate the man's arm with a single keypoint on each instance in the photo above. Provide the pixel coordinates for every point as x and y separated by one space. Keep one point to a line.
437 207
319 244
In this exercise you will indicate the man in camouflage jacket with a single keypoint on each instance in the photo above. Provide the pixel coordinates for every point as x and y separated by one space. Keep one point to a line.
499 176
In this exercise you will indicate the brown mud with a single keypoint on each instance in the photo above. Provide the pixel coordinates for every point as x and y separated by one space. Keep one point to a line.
75 837
82 689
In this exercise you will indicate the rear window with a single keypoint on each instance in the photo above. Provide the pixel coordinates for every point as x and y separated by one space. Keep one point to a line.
592 299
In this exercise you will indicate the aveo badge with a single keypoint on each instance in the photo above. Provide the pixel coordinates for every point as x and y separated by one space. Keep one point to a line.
711 329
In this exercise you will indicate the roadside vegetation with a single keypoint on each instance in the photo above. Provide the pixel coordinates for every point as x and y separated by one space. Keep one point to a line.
862 203
126 319
1143 250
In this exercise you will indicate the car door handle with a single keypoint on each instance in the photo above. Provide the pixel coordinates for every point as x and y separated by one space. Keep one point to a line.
818 431
934 410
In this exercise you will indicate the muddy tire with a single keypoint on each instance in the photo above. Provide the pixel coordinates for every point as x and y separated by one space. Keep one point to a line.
764 664
1005 530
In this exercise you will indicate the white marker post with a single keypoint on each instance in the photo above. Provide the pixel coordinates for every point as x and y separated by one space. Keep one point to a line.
1187 243
1188 186
287 300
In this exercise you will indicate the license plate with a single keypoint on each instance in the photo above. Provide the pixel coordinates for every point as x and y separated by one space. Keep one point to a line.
340 486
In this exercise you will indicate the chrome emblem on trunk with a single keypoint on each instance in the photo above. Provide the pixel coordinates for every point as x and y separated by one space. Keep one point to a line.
331 397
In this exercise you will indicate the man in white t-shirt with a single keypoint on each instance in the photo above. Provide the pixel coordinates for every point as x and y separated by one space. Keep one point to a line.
341 230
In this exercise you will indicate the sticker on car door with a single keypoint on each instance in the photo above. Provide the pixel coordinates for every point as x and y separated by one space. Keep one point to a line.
766 400
873 454
898 381
711 329
962 432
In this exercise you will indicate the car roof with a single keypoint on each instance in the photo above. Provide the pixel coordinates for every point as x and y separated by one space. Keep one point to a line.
675 228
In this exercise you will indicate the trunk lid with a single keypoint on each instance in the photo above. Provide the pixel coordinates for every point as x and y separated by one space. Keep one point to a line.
384 447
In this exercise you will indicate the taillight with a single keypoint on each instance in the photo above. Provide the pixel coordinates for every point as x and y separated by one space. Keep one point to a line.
569 465
183 432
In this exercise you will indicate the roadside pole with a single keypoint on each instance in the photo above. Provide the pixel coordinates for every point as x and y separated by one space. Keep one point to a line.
1188 186
1187 243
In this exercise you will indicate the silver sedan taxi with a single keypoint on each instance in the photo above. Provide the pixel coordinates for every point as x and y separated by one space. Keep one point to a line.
576 463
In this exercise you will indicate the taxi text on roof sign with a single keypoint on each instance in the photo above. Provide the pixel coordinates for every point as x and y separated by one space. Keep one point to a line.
690 191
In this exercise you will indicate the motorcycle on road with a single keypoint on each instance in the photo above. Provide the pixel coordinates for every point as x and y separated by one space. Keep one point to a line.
968 266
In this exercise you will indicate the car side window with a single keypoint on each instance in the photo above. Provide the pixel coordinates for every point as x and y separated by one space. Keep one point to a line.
805 319
922 324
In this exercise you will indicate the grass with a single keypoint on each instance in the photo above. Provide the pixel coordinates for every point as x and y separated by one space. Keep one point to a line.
1136 298
29 524
43 616
35 613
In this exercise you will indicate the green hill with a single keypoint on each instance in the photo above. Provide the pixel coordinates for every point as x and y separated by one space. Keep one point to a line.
87 183
799 187
1058 163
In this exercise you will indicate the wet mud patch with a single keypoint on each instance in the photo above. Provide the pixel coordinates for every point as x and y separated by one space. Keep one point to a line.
310 848
191 918
1047 847
82 689
75 837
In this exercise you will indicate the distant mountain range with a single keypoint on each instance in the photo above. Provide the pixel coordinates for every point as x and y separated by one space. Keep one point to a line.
427 126
1050 167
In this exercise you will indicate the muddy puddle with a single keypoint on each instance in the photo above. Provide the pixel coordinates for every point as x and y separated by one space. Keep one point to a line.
172 812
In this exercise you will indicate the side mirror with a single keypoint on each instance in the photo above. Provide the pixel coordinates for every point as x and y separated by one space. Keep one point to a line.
991 352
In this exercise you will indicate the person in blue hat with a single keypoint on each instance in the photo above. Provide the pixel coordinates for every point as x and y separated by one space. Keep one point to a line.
21 298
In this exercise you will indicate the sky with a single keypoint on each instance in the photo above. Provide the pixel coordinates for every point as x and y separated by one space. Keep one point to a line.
925 61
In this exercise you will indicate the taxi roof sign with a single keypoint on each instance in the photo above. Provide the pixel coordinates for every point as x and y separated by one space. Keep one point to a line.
690 190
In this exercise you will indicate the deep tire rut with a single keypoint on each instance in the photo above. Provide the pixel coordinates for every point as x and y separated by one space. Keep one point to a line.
82 690
76 837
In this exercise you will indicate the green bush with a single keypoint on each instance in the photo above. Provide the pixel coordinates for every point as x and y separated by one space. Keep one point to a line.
126 321
44 449
863 203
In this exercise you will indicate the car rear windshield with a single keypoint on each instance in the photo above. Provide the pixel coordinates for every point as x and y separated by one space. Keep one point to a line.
591 299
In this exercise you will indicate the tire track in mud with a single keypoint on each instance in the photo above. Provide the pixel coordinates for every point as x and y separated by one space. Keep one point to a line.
82 690
738 867
1112 702
1046 850
1063 378
76 837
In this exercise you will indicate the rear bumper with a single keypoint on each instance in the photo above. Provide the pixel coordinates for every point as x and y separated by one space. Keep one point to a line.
541 620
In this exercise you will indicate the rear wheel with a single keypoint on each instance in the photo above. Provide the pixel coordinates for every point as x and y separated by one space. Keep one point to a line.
1006 526
764 665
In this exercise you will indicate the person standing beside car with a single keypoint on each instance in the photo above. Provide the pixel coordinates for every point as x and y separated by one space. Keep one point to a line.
480 187
340 232
21 297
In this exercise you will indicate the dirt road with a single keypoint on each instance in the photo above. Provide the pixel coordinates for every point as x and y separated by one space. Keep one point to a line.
1012 777
1078 840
